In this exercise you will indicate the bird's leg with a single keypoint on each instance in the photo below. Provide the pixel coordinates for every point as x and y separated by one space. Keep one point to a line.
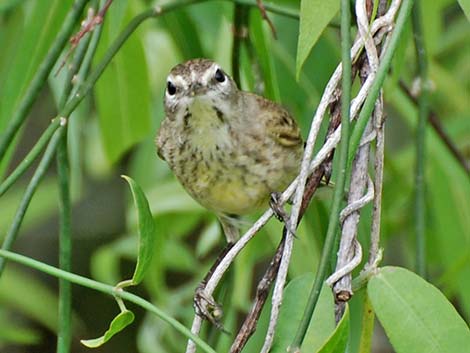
204 304
280 213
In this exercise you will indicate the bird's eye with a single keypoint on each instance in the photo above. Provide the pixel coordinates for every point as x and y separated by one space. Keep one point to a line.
219 76
171 88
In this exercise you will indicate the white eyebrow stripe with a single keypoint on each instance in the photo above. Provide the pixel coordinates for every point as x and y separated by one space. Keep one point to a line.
208 74
179 81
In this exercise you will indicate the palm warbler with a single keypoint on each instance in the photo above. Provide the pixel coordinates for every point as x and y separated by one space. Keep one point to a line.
229 149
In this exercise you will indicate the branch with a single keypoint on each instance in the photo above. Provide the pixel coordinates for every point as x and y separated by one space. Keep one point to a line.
87 27
369 104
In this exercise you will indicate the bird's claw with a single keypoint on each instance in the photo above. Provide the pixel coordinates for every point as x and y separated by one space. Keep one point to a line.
280 213
207 308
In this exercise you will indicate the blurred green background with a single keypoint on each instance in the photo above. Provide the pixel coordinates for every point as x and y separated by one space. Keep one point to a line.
112 133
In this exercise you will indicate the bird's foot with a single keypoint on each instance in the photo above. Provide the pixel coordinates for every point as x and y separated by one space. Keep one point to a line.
280 213
207 308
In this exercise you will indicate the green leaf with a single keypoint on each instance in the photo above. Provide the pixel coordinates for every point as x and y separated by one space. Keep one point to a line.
123 92
147 231
314 17
465 5
339 339
30 29
322 324
416 316
262 46
120 322
181 27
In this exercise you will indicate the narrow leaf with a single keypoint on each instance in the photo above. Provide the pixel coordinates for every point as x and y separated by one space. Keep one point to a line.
147 230
123 92
314 17
120 322
262 46
416 316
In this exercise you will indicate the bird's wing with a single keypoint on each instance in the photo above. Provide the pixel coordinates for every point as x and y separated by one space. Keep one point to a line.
281 126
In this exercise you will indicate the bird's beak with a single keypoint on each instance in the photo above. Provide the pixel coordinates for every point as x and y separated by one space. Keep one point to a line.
196 89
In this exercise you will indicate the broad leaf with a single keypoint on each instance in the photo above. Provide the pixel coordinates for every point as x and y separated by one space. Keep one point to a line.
339 339
147 231
120 322
465 5
416 316
314 17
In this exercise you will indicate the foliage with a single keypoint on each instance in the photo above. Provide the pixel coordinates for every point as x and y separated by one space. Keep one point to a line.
111 132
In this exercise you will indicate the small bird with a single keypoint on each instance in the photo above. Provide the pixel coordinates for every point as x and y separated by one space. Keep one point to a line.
230 149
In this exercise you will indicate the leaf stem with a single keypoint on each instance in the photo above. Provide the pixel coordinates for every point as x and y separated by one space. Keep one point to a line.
384 66
327 251
423 111
64 335
107 289
40 78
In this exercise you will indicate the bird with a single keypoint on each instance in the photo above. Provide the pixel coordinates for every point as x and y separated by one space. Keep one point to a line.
230 149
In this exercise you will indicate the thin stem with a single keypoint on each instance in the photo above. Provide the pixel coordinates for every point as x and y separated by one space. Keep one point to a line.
107 289
30 189
40 78
423 111
384 66
29 159
340 180
64 335
367 328
73 69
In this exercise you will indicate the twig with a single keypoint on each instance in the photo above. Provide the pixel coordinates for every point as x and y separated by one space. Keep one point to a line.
379 121
265 16
369 104
262 291
350 216
88 26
